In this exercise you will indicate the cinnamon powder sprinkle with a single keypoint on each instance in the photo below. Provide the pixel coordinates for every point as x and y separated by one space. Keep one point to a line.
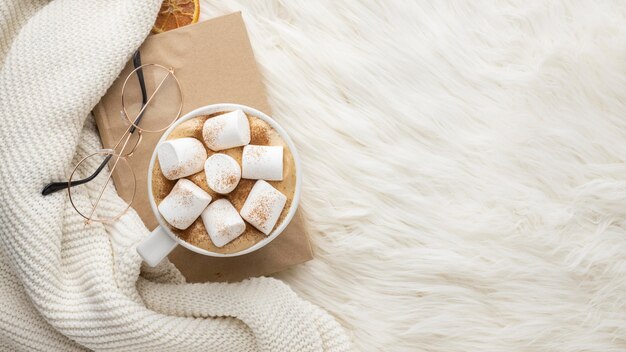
259 134
221 175
231 180
261 209
184 197
255 152
210 134
179 170
226 180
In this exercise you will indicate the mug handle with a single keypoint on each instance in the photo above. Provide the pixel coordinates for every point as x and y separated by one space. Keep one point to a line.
156 246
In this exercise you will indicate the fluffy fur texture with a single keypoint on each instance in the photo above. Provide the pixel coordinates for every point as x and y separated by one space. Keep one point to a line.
465 179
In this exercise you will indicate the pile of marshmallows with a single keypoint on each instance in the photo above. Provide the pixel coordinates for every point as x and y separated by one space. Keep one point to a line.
183 157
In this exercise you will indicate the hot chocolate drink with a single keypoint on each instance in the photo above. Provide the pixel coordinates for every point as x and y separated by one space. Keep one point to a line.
261 134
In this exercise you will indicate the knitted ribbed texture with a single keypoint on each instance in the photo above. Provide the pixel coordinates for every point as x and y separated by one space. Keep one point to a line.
65 286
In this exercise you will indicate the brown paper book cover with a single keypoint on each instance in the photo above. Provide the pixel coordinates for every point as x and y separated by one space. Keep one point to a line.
214 63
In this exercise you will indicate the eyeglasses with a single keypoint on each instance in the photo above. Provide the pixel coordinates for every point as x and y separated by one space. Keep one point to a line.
152 95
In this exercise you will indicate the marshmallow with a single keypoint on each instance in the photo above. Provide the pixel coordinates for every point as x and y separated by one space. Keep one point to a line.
181 157
262 162
226 131
222 222
263 206
184 204
222 173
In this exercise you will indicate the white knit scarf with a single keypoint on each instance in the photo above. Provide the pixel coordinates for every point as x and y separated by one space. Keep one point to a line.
65 286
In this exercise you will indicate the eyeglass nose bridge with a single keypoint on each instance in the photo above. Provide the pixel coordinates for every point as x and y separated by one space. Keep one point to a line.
126 135
132 151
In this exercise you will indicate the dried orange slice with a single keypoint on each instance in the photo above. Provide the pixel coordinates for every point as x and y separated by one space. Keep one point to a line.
176 13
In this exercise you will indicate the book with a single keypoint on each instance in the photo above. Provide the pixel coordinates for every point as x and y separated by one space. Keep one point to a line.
214 63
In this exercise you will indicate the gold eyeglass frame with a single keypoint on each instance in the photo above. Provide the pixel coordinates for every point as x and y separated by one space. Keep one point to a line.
132 127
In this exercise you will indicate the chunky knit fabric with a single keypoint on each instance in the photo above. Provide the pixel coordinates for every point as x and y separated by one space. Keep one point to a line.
65 286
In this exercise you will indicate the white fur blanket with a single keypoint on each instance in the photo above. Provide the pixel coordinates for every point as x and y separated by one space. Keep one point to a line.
465 167
65 286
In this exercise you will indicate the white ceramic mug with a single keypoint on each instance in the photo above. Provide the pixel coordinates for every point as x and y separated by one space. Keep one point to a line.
162 241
